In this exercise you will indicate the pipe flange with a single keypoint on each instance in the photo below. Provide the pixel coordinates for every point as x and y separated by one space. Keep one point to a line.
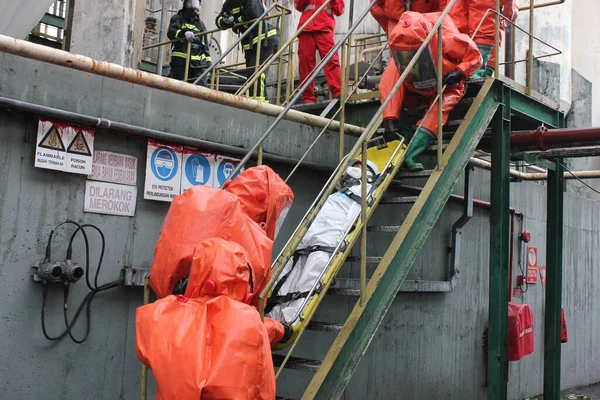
539 137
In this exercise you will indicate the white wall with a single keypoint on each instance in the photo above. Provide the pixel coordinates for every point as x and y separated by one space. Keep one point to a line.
586 47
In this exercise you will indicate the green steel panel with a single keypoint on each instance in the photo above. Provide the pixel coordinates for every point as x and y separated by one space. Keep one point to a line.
554 262
535 110
358 331
499 251
53 20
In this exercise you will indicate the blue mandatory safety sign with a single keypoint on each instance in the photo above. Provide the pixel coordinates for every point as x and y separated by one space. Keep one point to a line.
225 169
197 169
164 163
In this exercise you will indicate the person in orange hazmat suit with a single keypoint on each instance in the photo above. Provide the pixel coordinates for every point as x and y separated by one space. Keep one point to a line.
485 36
210 343
202 212
461 59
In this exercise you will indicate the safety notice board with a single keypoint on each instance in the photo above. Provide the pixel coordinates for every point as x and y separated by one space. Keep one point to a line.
64 147
171 170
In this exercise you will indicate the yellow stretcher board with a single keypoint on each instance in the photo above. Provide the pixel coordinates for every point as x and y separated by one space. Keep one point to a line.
384 157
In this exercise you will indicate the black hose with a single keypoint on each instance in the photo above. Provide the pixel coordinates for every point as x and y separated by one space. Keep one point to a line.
87 300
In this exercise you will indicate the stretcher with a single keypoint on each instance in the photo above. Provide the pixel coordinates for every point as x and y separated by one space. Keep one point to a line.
387 157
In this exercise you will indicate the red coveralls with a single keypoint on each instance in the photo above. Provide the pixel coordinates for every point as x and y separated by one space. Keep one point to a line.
459 52
318 36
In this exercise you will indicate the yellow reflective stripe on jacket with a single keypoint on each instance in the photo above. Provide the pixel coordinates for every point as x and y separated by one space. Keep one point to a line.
236 10
199 57
191 27
270 33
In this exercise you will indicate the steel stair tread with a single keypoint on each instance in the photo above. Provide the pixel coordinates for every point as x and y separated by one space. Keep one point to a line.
324 326
297 363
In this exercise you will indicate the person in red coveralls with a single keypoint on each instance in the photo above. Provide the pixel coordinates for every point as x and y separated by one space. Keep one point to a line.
318 36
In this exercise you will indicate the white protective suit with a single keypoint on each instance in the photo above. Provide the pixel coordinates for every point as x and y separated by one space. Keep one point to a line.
328 229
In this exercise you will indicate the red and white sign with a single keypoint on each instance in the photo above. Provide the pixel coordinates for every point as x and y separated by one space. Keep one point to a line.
532 264
63 147
114 167
110 198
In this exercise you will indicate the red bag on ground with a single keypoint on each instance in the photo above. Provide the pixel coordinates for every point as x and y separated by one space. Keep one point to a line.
208 344
520 331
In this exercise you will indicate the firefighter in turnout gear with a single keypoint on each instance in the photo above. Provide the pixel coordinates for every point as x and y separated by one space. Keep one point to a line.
235 12
186 24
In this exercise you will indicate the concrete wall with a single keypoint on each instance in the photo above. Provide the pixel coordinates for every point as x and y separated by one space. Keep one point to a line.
550 27
109 30
88 94
586 47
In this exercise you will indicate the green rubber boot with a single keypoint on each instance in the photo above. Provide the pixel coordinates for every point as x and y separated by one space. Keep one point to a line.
485 51
420 143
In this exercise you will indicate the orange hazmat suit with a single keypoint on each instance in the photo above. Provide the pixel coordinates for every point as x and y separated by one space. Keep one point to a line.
420 88
209 344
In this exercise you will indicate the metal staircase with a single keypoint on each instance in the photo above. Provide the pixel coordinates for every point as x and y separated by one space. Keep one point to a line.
492 106
334 372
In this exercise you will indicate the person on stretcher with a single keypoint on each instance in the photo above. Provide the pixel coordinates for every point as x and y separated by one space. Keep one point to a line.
318 246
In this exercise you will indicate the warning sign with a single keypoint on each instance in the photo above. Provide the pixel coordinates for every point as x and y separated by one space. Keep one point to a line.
163 171
198 169
51 152
114 167
110 198
225 168
532 264
79 145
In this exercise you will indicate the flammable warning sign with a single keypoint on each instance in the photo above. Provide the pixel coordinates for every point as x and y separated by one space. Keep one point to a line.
64 147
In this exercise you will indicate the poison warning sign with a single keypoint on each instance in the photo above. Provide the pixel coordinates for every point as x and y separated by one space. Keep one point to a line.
51 152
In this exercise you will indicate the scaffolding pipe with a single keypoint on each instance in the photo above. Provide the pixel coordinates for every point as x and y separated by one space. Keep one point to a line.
82 63
536 176
161 37
103 123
